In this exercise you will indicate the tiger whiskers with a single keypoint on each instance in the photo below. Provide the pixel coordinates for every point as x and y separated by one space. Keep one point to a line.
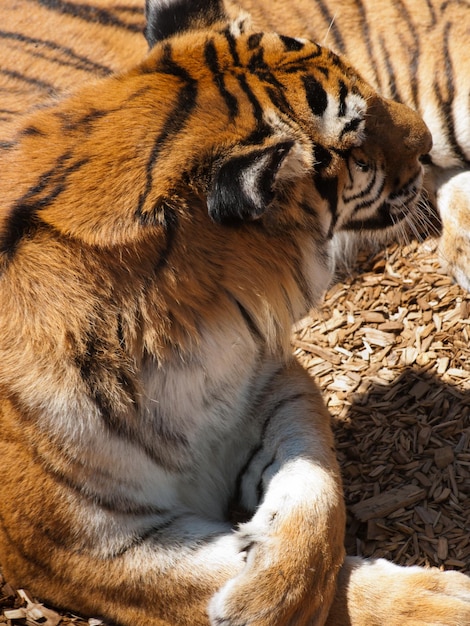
329 28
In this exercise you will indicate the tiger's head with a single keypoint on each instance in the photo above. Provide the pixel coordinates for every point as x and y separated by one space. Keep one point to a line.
362 150
225 163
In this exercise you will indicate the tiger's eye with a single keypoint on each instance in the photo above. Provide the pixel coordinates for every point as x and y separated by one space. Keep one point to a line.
426 159
361 165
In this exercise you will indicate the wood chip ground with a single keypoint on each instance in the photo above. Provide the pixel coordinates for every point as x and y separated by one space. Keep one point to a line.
390 349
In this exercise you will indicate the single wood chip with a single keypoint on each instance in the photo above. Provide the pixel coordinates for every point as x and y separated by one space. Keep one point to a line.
443 457
385 503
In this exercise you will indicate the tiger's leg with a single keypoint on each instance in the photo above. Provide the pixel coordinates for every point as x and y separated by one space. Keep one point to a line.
293 544
379 593
163 569
453 199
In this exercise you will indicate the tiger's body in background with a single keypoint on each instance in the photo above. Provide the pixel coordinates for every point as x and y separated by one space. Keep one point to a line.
161 231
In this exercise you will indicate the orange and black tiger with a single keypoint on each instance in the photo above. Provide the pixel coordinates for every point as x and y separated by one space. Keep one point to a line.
160 231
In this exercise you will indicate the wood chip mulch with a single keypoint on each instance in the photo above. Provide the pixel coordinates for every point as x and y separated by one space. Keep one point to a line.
390 349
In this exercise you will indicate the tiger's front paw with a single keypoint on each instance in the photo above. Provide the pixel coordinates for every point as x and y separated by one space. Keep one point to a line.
380 593
281 584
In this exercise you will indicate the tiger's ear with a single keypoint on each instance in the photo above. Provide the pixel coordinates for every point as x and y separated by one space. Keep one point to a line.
166 18
243 187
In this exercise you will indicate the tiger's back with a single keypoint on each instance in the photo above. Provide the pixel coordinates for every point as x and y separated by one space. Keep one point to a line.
50 48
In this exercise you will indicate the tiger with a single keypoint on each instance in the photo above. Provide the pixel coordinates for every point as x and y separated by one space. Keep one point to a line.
412 51
165 459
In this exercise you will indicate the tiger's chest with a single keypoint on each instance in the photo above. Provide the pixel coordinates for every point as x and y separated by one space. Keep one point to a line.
193 404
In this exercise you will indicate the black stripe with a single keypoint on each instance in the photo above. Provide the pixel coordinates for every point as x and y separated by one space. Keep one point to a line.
88 13
106 374
6 145
31 131
120 332
327 187
276 89
298 64
210 54
259 486
363 204
82 490
390 89
256 448
153 530
322 157
332 28
42 84
232 46
279 100
75 60
249 321
343 92
367 189
404 190
254 40
291 44
158 529
300 279
166 19
432 12
258 136
23 218
380 220
258 110
351 126
262 435
174 124
316 95
413 52
365 37
84 123
170 224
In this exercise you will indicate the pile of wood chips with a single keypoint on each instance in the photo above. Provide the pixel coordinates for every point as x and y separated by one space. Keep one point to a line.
390 349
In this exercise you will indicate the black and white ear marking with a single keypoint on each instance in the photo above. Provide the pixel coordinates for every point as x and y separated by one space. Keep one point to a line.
243 187
166 18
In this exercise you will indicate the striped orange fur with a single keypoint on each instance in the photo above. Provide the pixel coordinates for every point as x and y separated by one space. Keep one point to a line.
166 461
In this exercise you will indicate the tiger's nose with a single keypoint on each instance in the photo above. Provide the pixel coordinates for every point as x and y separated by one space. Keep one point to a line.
401 129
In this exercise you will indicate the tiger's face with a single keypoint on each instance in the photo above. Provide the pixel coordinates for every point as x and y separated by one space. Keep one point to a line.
295 125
